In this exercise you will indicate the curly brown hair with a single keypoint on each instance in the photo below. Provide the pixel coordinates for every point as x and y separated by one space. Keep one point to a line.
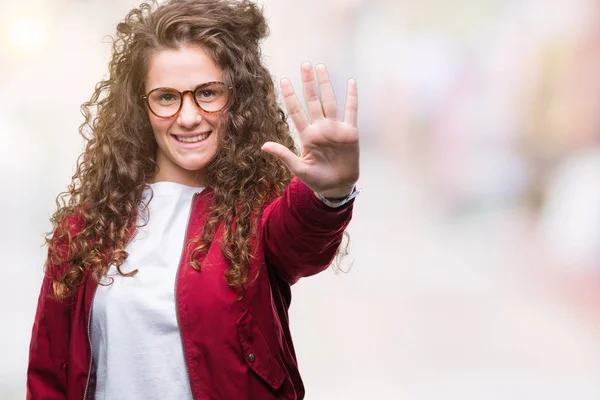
119 158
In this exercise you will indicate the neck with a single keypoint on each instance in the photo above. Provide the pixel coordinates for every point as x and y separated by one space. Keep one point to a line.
191 181
170 172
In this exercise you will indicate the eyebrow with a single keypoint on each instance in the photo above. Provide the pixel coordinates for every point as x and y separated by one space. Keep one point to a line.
193 90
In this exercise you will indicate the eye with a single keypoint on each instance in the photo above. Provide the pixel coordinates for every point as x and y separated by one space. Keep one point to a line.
167 97
164 97
206 94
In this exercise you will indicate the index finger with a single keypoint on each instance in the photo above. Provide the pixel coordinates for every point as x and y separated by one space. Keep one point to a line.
351 109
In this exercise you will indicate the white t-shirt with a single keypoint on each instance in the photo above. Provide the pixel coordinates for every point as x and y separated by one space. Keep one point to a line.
136 343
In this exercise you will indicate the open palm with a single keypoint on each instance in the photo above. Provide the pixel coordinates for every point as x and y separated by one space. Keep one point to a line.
329 162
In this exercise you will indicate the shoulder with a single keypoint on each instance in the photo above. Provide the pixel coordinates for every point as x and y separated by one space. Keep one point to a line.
59 246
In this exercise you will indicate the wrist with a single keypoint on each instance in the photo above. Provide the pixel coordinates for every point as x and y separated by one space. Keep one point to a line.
337 194
335 202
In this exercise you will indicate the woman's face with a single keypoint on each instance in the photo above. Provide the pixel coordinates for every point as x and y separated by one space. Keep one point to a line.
187 141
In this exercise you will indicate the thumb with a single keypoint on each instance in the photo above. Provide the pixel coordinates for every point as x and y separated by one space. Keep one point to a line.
292 161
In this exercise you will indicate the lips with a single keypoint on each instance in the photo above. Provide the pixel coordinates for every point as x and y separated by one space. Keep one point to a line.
192 138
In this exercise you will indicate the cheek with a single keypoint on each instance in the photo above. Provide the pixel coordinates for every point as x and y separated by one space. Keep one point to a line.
159 126
218 123
213 120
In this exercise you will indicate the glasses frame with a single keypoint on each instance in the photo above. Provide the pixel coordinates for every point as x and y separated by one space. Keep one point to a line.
146 97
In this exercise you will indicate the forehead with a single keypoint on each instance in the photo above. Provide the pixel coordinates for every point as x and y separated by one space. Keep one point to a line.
183 68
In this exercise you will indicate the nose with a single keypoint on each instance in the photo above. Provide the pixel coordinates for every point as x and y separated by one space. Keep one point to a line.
189 115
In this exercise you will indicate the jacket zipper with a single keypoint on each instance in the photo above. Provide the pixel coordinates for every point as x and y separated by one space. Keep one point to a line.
185 362
87 382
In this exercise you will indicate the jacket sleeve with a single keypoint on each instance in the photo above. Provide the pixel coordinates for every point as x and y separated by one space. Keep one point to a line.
300 234
49 347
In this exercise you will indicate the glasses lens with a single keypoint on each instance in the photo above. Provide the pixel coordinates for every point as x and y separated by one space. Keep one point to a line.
211 97
164 102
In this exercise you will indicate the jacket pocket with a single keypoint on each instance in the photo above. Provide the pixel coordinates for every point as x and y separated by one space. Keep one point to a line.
257 354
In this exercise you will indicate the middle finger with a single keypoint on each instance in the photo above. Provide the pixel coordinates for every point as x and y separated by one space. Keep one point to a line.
311 94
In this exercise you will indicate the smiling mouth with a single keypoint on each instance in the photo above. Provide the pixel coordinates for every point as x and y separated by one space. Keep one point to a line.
192 139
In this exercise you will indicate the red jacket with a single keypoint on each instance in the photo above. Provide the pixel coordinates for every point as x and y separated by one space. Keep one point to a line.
234 350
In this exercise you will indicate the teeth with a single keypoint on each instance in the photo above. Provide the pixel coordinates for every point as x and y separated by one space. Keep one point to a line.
193 139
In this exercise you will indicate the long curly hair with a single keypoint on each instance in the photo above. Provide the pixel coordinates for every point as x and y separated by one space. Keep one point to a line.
107 188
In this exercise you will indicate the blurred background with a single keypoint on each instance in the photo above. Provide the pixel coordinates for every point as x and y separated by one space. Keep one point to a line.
475 245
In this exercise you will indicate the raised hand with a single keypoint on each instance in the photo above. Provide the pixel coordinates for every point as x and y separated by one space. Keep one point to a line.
329 162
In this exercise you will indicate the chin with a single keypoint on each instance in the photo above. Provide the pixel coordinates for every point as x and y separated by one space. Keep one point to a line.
193 165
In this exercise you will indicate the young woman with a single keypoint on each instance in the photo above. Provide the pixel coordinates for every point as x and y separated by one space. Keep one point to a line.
190 216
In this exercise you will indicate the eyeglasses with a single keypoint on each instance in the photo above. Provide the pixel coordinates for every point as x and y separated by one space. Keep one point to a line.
210 97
